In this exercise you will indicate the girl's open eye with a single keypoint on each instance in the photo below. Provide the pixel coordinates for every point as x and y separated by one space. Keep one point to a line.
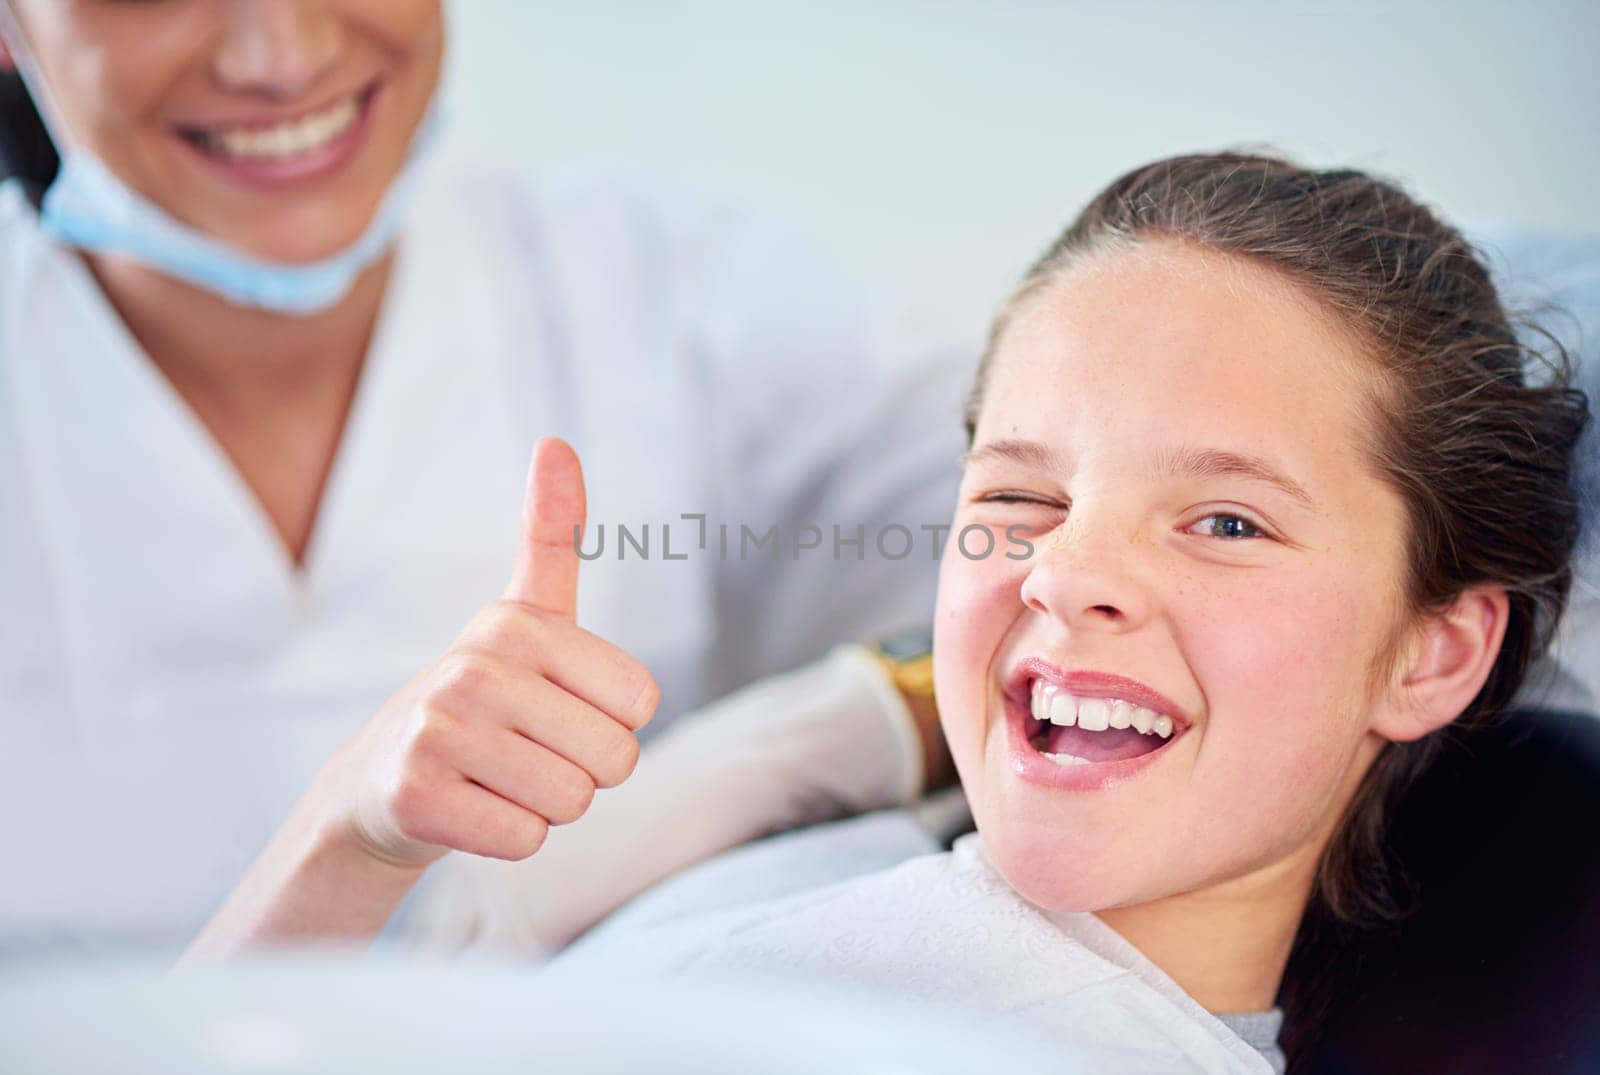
1228 527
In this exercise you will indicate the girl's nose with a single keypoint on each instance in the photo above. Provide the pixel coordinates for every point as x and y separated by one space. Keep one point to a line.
1084 578
278 48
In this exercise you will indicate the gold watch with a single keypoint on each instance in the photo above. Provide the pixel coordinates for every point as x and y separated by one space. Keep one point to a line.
907 659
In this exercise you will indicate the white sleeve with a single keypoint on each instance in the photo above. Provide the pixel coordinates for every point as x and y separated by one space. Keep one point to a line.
789 751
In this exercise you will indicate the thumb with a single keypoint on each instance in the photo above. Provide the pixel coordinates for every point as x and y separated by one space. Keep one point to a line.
553 509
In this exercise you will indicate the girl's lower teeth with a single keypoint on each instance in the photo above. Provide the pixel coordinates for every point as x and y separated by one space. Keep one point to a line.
1067 759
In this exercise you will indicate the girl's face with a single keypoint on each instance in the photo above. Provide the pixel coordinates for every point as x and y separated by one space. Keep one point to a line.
273 125
1181 438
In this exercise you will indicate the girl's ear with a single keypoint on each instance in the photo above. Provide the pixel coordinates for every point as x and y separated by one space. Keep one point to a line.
1449 658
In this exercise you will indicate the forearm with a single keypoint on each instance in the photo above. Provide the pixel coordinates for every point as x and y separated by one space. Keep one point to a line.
309 886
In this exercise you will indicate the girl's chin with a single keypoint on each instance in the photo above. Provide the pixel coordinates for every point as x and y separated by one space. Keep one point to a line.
1053 872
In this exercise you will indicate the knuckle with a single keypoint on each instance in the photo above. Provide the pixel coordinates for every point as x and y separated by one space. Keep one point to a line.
512 623
524 839
461 678
620 757
573 797
412 807
646 695
496 627
435 733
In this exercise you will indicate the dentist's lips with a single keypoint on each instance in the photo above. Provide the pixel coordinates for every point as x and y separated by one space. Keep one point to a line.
316 143
1024 752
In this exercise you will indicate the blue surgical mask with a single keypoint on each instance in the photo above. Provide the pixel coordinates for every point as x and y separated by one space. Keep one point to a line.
88 207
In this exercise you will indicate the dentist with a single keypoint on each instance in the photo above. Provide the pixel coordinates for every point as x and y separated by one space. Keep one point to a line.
269 380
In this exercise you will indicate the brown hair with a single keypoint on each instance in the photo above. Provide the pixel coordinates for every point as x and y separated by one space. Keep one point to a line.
1480 451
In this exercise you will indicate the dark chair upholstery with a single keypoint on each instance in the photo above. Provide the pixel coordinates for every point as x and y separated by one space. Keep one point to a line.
1498 968
25 148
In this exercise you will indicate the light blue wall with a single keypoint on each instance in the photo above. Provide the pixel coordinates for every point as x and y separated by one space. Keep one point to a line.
936 145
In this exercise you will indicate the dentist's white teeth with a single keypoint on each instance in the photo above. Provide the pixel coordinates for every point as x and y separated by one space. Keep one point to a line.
288 139
1063 710
1121 714
1067 759
1142 719
1163 726
1094 714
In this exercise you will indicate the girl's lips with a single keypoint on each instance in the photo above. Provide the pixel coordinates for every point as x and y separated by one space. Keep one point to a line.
1030 765
315 164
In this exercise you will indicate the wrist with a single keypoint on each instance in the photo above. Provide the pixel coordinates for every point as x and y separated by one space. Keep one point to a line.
338 820
938 768
345 848
906 660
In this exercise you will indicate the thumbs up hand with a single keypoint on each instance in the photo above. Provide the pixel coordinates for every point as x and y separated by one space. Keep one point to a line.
516 725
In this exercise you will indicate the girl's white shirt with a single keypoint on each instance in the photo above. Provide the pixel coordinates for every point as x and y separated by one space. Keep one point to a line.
170 681
942 928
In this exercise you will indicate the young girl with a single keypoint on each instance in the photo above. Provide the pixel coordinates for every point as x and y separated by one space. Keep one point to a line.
1290 507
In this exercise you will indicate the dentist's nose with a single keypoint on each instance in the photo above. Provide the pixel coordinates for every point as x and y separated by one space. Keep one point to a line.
277 48
1083 578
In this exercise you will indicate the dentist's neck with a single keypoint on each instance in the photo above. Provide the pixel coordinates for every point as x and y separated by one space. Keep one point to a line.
274 391
196 337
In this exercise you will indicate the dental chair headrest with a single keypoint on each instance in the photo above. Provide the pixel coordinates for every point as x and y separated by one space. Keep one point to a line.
1498 970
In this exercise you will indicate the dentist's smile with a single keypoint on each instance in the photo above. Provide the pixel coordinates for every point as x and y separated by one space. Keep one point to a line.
300 148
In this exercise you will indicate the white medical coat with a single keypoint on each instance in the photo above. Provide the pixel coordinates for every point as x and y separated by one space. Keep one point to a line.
170 681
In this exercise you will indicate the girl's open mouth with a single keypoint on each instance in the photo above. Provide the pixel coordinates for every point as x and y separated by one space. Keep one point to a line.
1081 731
1085 733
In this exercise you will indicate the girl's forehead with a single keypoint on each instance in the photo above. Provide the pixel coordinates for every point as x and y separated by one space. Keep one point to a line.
1169 340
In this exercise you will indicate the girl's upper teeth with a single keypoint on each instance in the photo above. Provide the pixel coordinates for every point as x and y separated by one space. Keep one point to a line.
1096 714
288 139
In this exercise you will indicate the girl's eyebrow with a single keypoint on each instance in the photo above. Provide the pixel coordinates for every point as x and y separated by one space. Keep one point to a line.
1187 461
1028 453
1211 462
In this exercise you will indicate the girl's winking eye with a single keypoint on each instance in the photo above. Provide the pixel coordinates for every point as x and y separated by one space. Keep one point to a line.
1017 496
